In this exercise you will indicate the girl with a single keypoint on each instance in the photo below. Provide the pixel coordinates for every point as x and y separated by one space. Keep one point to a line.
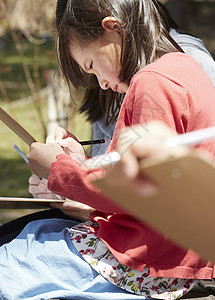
126 47
94 110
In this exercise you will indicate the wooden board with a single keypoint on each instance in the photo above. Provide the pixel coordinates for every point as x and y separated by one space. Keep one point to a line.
184 208
16 127
25 203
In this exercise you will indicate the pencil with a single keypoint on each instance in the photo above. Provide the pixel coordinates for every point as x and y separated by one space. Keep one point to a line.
93 142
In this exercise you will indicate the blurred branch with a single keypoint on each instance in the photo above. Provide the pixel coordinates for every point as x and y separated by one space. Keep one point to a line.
6 97
33 87
31 39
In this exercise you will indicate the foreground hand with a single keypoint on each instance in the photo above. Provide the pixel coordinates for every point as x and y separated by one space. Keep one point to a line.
125 175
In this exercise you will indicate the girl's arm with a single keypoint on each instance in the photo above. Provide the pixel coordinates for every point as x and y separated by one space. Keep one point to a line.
66 177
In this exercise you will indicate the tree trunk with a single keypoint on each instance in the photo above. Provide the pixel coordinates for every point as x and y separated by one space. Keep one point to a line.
58 105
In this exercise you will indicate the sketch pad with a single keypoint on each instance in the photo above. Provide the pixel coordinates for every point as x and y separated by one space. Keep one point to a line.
184 208
25 203
16 127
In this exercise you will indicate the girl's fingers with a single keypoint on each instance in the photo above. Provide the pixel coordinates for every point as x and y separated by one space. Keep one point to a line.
34 179
50 139
38 188
72 144
73 148
60 133
145 188
34 189
43 196
144 142
81 214
73 205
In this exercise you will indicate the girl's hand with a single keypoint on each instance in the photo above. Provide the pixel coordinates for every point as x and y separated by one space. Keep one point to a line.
74 209
40 162
69 143
60 134
41 156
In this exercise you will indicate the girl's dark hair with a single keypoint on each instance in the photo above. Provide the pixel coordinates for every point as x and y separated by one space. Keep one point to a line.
144 27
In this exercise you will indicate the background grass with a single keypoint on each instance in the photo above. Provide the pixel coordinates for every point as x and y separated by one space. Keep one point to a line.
11 70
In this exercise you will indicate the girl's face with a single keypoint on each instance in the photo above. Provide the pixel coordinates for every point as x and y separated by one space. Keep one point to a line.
101 58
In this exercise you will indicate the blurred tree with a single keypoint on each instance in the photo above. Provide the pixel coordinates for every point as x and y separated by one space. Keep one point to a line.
30 17
36 24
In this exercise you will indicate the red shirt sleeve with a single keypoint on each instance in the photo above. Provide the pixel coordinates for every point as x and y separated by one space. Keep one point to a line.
68 179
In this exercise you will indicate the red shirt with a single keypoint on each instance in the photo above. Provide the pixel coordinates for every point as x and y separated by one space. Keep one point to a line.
175 90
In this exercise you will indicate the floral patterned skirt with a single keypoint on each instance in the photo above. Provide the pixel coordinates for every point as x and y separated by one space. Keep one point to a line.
96 253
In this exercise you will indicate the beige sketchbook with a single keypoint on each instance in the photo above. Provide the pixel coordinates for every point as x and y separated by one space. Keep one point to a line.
184 208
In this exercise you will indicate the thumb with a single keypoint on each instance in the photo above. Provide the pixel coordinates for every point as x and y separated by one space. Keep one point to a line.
50 139
60 133
71 144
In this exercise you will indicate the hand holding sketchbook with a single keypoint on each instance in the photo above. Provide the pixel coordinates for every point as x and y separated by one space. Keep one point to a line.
184 208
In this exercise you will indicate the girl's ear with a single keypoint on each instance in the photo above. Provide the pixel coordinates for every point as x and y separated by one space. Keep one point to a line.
110 24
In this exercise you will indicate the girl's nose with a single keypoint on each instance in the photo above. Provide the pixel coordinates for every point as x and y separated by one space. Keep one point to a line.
104 84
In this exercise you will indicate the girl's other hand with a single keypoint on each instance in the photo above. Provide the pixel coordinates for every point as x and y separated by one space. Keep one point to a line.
74 209
38 188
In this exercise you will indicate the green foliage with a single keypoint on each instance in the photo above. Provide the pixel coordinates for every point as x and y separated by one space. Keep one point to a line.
11 69
14 177
14 172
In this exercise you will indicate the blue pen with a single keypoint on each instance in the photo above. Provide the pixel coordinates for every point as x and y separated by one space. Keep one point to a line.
21 153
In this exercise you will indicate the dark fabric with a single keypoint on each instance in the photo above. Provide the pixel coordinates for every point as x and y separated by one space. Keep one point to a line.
205 290
10 230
